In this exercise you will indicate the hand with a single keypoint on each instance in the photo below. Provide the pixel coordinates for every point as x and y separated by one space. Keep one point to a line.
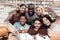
19 31
24 31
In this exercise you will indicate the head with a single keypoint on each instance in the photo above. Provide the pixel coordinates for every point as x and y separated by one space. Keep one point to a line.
22 19
37 23
31 8
22 8
3 31
39 10
47 20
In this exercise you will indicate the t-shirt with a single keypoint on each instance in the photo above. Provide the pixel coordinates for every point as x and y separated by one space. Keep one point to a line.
31 18
18 26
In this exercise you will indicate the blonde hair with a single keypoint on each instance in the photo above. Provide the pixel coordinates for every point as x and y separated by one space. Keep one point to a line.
39 6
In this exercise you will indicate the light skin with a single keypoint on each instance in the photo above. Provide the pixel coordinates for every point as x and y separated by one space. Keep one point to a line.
22 9
46 21
39 11
37 25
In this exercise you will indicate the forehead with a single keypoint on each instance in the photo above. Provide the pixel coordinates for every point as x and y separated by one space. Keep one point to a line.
31 6
22 17
44 18
22 7
37 21
38 8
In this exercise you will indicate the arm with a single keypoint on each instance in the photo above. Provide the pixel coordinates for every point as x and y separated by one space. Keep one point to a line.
52 33
10 16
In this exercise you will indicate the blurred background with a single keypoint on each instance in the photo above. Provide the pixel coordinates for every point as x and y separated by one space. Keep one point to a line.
50 6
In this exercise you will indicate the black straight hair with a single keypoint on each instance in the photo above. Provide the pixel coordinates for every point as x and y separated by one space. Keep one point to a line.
22 5
48 17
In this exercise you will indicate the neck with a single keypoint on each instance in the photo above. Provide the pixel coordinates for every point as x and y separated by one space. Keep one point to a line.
22 24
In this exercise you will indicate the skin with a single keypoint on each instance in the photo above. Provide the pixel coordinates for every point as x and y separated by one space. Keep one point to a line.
22 9
30 11
37 25
22 22
46 21
39 11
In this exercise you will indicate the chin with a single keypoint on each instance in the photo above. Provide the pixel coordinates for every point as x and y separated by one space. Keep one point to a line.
23 24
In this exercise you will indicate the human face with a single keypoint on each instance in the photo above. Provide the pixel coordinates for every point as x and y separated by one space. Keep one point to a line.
37 24
22 9
46 21
22 20
31 11
39 11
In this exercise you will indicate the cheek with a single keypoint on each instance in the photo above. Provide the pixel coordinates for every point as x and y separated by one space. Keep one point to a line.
48 22
45 22
21 9
22 20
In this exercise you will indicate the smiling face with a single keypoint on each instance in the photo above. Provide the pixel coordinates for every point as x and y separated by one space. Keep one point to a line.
39 11
22 20
46 21
22 9
37 24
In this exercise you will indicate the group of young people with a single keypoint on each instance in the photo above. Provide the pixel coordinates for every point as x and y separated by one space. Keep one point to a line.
33 20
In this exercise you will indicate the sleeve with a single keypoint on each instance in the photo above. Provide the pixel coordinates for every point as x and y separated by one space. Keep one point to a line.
15 25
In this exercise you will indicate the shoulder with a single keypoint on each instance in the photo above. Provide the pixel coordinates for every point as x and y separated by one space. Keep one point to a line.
27 25
17 23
